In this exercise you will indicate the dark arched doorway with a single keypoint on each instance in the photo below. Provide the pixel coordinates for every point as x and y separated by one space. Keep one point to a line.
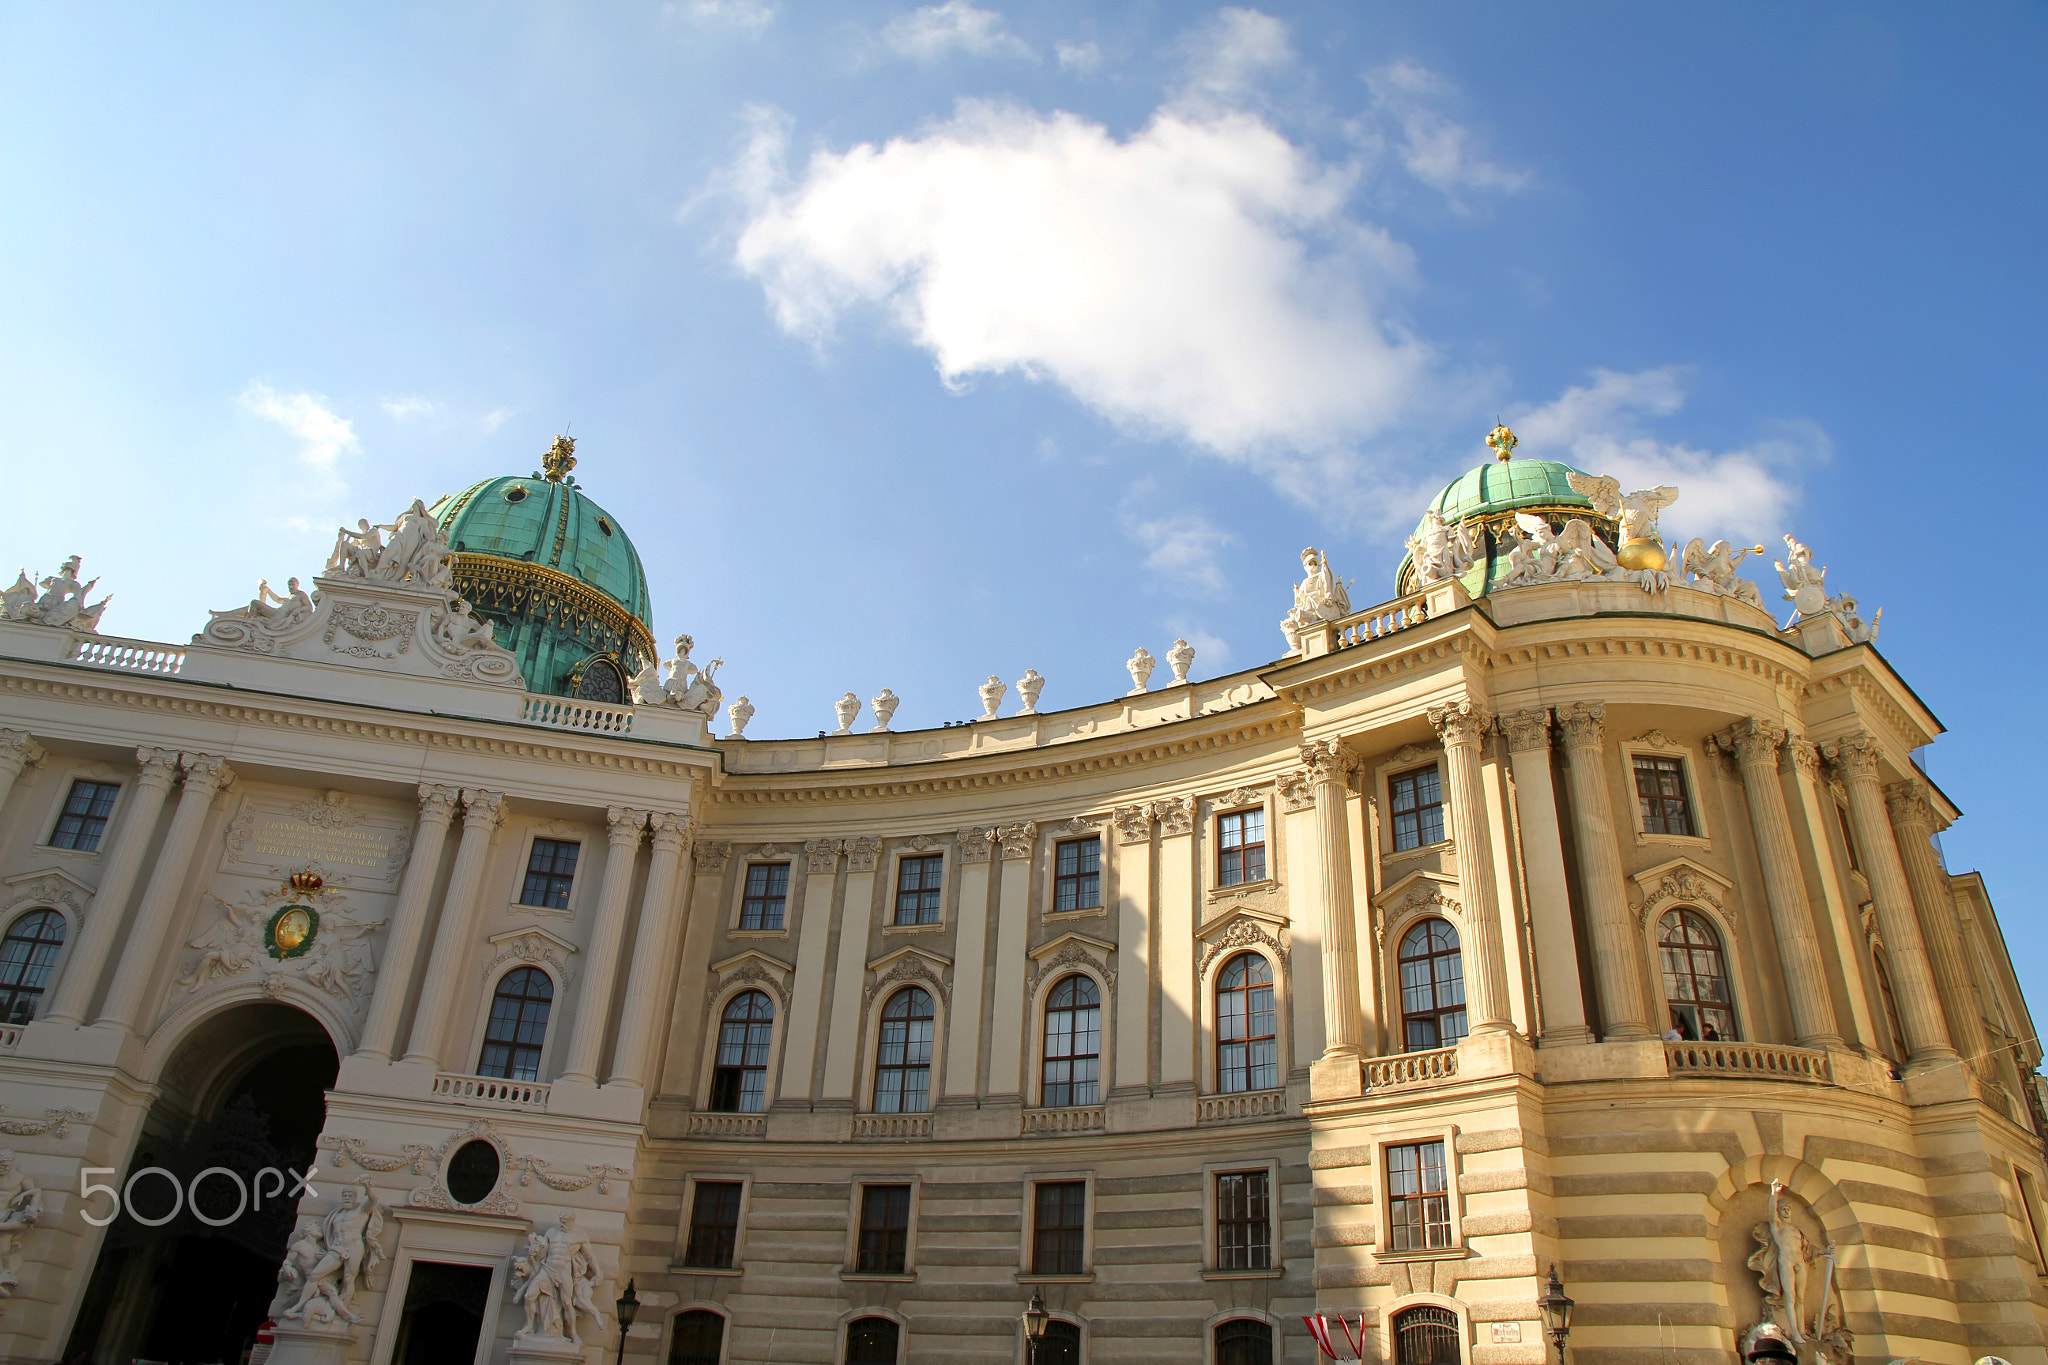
245 1090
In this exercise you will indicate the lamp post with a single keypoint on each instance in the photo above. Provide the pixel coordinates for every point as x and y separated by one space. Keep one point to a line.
1035 1318
1557 1313
629 1308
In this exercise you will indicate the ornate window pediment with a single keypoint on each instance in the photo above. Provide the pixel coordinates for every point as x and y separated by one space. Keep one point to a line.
532 945
1241 926
754 968
50 886
1071 950
1420 890
908 965
1681 882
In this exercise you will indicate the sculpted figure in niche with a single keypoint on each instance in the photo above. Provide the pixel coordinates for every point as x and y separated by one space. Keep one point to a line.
1797 1278
555 1279
348 1253
1320 597
21 1206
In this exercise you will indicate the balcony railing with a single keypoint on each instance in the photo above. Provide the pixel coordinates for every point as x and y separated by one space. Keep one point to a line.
1761 1060
1379 621
900 1126
1411 1068
568 713
728 1125
1077 1120
1251 1104
130 656
491 1092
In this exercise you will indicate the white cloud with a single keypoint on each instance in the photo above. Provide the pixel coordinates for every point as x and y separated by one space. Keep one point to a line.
493 419
1182 547
1228 57
746 16
1198 279
1080 58
1747 493
404 407
323 436
937 31
1436 150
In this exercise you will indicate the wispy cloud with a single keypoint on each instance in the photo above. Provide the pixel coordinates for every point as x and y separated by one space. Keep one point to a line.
1080 58
935 32
405 407
1181 548
745 16
323 435
415 407
1436 149
1230 56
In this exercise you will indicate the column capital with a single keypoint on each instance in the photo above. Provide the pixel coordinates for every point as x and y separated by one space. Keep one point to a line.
1327 761
624 826
974 843
863 851
1459 722
1910 807
159 767
1015 840
1176 816
209 773
823 855
1805 756
482 809
1855 757
1133 824
671 830
1527 730
1584 724
1757 741
437 803
712 854
18 750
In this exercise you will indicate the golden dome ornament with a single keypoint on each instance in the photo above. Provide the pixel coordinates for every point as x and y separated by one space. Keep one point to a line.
1646 552
1502 441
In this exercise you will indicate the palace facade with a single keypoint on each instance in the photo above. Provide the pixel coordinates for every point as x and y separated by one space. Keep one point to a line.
1563 911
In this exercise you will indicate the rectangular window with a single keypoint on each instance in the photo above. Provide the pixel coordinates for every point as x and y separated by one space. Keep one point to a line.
1244 1222
917 889
1241 847
85 815
1418 799
1058 1221
1418 1200
766 892
884 1229
550 868
714 1225
1076 874
1660 793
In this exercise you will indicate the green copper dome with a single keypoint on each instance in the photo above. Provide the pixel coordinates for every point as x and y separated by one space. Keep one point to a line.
1492 494
557 575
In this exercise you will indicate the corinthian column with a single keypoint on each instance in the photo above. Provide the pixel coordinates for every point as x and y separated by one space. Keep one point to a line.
205 776
18 750
1553 937
1813 1015
481 811
647 966
1617 956
408 922
1912 980
1462 725
594 1002
1914 818
1329 769
81 968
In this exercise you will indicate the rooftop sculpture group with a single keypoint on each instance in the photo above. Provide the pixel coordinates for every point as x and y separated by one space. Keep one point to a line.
61 602
689 687
1320 598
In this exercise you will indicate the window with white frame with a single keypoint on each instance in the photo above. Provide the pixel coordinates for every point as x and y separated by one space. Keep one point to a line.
550 872
1432 986
82 822
714 1225
1247 1041
1076 874
1661 797
884 1246
917 888
1417 801
764 895
1241 847
1059 1227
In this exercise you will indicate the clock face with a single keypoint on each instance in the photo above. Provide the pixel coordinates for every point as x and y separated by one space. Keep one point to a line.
291 931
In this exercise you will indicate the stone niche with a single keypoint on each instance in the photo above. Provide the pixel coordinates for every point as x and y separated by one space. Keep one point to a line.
1745 1212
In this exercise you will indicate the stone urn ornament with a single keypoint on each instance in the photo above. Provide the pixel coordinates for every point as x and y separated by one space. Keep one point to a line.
846 708
991 696
1028 688
1140 665
1180 659
884 704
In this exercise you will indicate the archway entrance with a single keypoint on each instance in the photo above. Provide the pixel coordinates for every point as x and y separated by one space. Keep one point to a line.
245 1092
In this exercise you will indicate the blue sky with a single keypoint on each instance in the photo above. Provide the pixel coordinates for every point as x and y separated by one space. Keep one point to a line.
913 345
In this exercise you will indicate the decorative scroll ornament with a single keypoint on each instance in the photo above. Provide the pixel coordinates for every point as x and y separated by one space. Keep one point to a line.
862 852
711 854
1327 760
1243 931
1133 824
909 966
1016 839
1680 883
752 969
56 1122
823 855
533 946
976 842
1855 757
1297 790
1069 951
1176 816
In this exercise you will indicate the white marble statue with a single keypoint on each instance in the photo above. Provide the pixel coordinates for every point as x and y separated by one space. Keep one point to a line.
646 687
1637 511
1319 598
689 686
1443 552
1140 666
739 713
349 1251
1797 1279
61 602
1712 569
555 1281
1577 554
1805 586
356 552
847 708
1859 631
991 696
412 538
1180 659
460 630
21 1207
884 704
301 1254
1028 688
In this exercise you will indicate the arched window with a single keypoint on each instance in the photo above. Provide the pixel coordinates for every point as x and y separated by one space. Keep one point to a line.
1890 1003
872 1341
1244 1341
1247 1054
1695 977
601 680
1073 1043
1061 1344
739 1074
1432 986
697 1339
1426 1335
27 956
903 1060
519 1024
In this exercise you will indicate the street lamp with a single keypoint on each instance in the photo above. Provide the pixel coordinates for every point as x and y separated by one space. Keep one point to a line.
1035 1318
1557 1313
629 1308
